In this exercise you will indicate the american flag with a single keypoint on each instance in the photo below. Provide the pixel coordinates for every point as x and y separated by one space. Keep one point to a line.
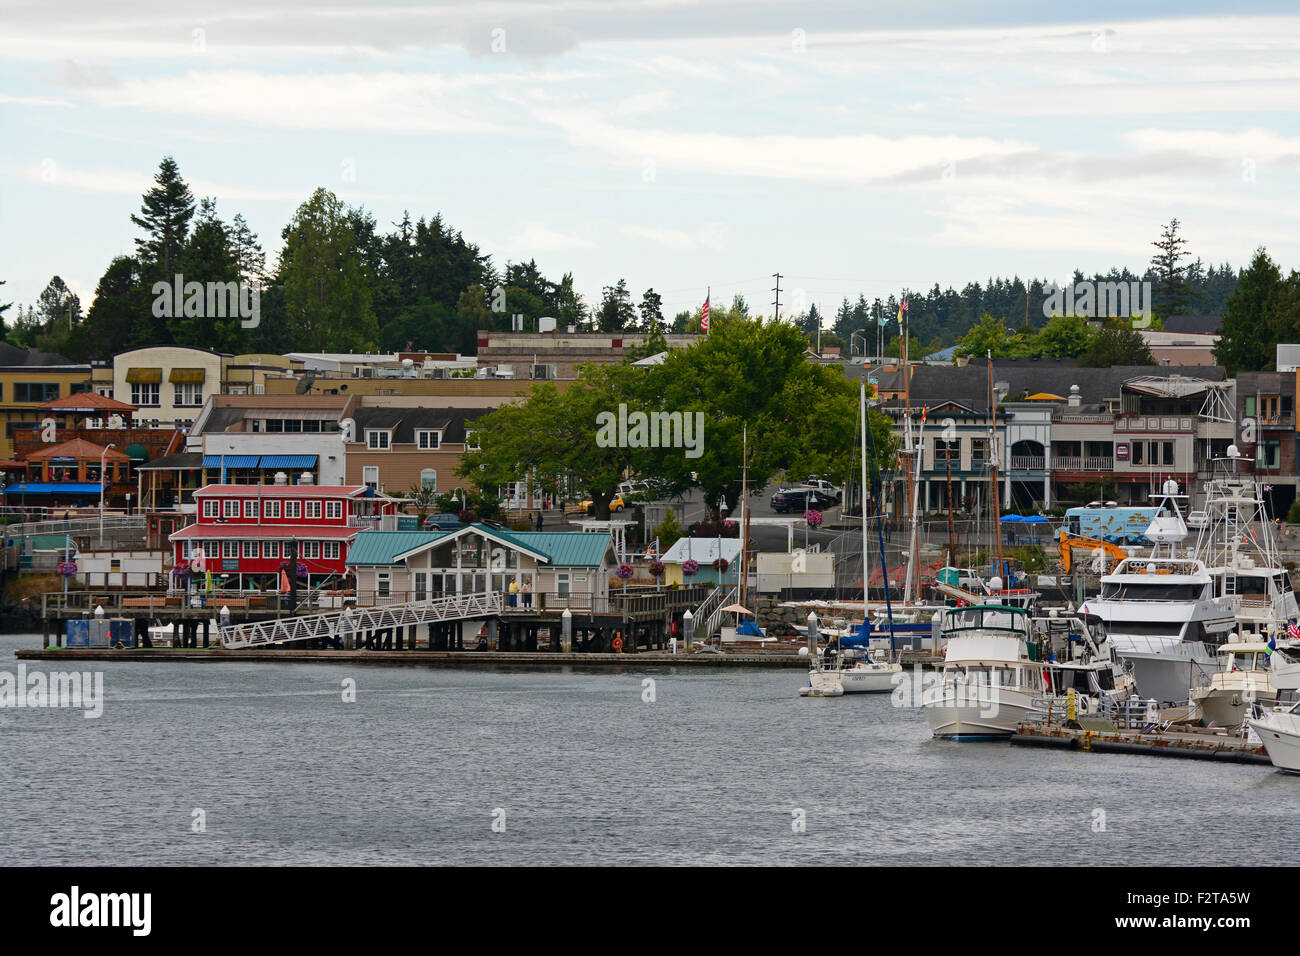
1292 631
704 316
904 306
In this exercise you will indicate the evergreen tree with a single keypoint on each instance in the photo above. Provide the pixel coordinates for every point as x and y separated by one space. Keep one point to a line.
1248 332
652 315
165 214
1172 292
58 304
616 311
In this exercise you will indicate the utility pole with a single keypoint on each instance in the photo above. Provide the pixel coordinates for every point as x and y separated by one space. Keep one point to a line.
776 303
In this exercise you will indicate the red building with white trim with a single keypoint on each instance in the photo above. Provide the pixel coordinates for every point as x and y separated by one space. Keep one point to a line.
245 531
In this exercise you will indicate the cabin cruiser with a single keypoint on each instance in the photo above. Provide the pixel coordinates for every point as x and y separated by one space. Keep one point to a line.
1225 698
1082 661
1162 612
990 674
1279 730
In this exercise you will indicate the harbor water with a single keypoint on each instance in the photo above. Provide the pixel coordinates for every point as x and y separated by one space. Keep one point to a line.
274 766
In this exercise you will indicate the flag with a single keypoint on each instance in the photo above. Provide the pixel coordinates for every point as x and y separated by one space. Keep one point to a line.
1292 631
284 583
1272 645
704 316
904 305
924 411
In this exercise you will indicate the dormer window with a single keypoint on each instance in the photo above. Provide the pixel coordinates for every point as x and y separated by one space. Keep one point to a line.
378 439
428 439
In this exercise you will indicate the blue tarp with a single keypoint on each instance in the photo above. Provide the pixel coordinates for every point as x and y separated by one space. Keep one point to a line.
750 629
1024 519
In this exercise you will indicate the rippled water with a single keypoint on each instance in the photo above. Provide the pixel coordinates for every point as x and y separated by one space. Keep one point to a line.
586 772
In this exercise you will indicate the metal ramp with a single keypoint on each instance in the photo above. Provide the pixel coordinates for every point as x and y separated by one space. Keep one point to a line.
352 621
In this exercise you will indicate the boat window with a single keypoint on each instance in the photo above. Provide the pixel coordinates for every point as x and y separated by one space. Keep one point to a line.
1252 584
1152 590
1243 662
1146 628
1005 677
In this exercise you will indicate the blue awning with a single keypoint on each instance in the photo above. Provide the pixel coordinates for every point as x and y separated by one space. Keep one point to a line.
230 461
289 461
52 488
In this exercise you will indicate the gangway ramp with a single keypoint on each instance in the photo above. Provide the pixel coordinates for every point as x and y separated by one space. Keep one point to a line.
353 621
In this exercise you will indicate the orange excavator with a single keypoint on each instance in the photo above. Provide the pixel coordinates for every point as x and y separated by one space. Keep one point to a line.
1070 544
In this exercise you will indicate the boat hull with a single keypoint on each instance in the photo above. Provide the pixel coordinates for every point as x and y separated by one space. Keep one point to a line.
1168 676
1281 736
963 712
870 680
1228 706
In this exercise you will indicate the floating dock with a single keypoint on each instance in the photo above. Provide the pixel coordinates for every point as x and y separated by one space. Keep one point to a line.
1190 742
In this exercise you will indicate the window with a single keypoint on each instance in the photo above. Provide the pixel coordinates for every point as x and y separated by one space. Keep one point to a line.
1139 452
978 451
230 508
1250 406
311 549
377 440
270 549
250 508
1269 454
562 584
1169 452
187 393
429 479
947 450
331 551
313 508
471 439
230 549
250 549
370 477
36 391
144 395
428 439
383 586
333 510
272 509
421 590
211 508
293 509
212 549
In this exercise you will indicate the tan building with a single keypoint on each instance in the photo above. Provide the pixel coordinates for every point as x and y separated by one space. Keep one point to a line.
169 384
557 355
28 379
400 443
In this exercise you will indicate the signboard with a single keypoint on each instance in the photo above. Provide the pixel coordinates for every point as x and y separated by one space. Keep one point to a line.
229 564
408 523
1121 451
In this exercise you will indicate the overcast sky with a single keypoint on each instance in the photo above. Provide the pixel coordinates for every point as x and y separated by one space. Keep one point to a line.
854 145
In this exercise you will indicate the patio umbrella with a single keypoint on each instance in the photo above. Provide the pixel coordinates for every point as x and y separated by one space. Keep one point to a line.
738 608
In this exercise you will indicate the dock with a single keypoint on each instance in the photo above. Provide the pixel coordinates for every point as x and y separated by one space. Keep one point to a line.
412 658
1094 736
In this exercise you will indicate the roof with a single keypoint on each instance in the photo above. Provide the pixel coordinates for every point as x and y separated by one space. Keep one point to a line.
79 449
1202 324
565 549
89 402
704 551
275 531
254 491
177 462
13 357
405 421
1179 386
53 488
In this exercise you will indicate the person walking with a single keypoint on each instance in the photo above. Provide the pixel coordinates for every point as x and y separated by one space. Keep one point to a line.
539 521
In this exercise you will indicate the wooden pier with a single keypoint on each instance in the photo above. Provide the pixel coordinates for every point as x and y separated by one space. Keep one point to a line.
1094 736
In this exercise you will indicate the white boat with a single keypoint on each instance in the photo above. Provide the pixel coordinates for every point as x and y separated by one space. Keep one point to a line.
1081 662
860 673
1226 698
1280 732
161 635
988 682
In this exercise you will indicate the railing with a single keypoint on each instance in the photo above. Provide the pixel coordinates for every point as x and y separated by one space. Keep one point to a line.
714 620
1276 421
1028 462
1082 463
77 526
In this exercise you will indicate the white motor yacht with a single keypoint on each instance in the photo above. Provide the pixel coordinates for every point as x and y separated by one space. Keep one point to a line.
988 682
1280 731
1226 698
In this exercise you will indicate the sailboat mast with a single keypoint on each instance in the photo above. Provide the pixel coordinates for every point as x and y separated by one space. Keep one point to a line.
995 512
866 567
870 443
744 511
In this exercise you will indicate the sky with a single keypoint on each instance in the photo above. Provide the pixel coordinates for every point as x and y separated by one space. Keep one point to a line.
854 146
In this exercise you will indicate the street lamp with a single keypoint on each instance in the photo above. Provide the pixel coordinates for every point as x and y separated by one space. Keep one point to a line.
102 485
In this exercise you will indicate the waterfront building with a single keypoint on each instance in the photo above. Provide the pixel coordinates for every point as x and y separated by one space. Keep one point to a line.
244 531
399 443
28 380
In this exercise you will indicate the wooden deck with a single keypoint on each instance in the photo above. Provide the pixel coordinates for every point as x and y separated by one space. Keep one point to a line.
1190 743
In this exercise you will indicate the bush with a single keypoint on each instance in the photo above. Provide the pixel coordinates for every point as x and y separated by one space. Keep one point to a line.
1293 515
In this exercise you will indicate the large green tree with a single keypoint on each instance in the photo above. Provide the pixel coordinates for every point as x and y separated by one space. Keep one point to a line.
1251 323
326 286
1117 344
1173 294
165 214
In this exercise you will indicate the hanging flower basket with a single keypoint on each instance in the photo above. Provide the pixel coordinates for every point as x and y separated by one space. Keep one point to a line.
690 567
300 571
467 516
67 568
814 518
720 565
657 569
181 572
624 571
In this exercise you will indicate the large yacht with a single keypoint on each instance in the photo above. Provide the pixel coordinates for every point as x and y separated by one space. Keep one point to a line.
1239 548
1162 612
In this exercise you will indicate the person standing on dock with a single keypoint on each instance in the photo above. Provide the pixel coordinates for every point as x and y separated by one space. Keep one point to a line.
539 521
514 592
528 593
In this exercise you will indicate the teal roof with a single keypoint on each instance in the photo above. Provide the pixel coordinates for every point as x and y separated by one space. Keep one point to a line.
566 549
383 547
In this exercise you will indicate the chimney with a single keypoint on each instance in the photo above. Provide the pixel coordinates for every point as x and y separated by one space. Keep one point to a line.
1076 400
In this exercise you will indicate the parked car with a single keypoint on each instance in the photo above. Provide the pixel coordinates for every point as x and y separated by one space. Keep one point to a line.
589 507
1198 519
444 521
824 486
800 499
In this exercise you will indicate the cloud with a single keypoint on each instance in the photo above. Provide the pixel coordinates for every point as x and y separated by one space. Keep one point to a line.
73 75
36 101
709 236
537 237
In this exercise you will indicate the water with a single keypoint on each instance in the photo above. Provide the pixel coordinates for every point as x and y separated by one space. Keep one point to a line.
586 772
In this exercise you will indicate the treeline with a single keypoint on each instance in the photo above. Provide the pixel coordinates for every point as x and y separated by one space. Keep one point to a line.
343 283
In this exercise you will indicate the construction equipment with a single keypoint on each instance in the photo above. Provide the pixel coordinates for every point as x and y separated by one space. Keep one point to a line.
1069 544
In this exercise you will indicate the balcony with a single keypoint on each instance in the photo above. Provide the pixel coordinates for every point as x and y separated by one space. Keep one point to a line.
1082 463
1028 462
1276 421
